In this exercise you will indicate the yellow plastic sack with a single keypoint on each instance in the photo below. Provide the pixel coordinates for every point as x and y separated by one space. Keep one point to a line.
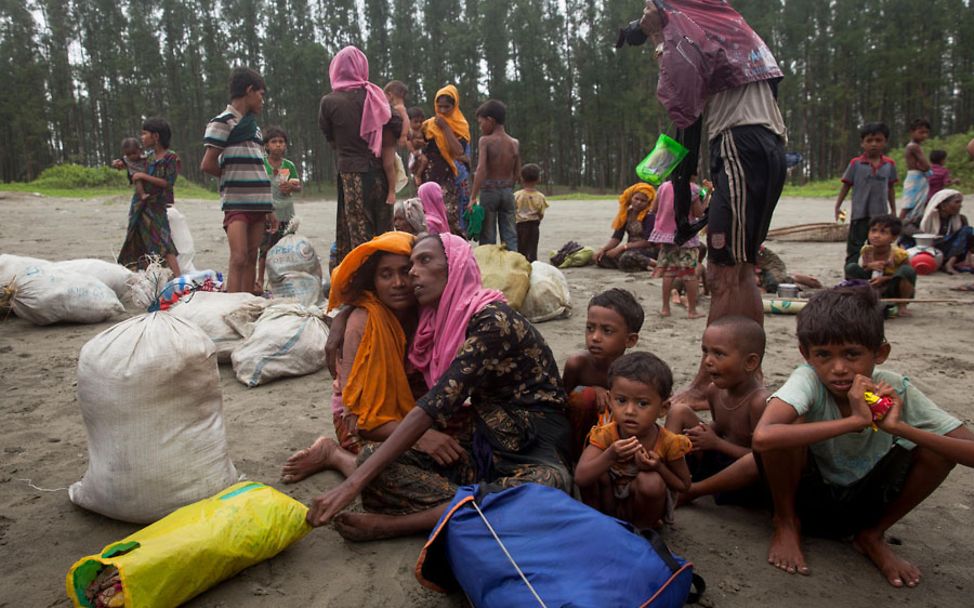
508 271
196 547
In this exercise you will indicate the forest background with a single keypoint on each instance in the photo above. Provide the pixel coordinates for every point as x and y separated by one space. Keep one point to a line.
78 76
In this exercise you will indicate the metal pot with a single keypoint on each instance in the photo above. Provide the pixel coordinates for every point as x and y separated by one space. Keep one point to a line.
788 290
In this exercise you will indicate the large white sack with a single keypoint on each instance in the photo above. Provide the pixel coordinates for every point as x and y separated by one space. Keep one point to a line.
150 397
182 239
548 296
114 275
13 265
293 270
208 309
287 340
45 295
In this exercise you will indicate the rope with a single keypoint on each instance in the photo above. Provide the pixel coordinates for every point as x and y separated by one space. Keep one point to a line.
30 484
511 559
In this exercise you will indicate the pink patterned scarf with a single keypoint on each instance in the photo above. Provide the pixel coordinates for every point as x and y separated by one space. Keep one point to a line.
350 70
443 329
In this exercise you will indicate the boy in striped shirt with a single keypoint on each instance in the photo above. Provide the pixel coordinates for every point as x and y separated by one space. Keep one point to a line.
235 154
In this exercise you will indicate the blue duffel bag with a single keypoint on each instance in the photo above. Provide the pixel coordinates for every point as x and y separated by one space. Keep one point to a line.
532 545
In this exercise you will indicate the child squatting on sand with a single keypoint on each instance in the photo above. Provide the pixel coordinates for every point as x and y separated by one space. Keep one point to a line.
828 472
633 462
721 462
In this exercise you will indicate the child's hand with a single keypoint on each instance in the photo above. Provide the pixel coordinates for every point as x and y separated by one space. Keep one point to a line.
118 163
647 461
625 449
879 281
602 398
391 198
274 222
877 265
857 400
702 437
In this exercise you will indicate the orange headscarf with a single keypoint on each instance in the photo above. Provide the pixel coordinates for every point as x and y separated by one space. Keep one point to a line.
455 119
620 220
376 390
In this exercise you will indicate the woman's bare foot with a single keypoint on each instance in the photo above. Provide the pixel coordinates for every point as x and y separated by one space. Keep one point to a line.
897 570
363 527
310 460
785 552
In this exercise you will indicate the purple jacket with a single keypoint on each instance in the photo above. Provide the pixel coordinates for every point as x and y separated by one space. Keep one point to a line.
707 48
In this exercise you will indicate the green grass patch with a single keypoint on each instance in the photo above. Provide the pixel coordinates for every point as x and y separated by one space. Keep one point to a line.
75 181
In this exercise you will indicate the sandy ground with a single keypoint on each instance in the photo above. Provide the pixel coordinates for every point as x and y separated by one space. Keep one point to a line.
43 437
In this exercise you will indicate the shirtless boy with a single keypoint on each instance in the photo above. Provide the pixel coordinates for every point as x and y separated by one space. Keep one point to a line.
721 462
612 325
498 168
915 186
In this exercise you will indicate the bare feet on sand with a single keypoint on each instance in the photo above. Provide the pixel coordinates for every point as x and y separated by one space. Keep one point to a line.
309 461
695 315
362 527
785 552
897 570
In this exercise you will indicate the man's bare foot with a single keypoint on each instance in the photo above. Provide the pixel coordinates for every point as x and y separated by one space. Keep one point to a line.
664 312
785 552
363 527
309 461
695 315
897 570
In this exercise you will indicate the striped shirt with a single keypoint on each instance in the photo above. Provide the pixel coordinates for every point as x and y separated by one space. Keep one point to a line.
244 183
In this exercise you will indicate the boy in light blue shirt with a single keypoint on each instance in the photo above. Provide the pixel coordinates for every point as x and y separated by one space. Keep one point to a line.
830 473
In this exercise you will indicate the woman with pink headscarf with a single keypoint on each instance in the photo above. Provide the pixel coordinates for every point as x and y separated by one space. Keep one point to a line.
358 122
426 213
469 345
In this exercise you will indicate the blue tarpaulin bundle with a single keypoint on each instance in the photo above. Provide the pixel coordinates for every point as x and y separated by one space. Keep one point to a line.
532 545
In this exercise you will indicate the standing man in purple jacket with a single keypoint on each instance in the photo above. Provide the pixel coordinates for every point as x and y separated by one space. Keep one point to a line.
717 74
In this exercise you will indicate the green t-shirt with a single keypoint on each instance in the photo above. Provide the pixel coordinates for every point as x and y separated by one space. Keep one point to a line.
283 203
846 459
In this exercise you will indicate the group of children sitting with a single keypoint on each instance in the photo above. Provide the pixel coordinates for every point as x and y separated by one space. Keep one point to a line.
810 450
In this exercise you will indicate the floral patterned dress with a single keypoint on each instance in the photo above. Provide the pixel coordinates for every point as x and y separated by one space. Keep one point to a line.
455 185
148 227
520 431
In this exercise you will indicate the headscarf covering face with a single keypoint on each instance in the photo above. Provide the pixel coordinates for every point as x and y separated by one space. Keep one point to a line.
456 121
443 328
431 194
376 390
931 216
411 210
350 70
620 220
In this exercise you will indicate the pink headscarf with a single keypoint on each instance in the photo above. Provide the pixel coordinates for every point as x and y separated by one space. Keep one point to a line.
432 196
350 70
443 329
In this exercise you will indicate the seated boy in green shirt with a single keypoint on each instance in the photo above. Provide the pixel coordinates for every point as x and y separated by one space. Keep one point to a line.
829 473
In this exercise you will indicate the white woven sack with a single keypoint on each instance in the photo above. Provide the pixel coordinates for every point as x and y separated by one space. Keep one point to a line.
207 309
150 397
13 265
111 274
45 295
293 253
182 240
302 287
288 340
548 296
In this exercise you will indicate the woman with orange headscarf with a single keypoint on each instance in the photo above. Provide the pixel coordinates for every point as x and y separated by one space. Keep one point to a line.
373 390
634 221
448 150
